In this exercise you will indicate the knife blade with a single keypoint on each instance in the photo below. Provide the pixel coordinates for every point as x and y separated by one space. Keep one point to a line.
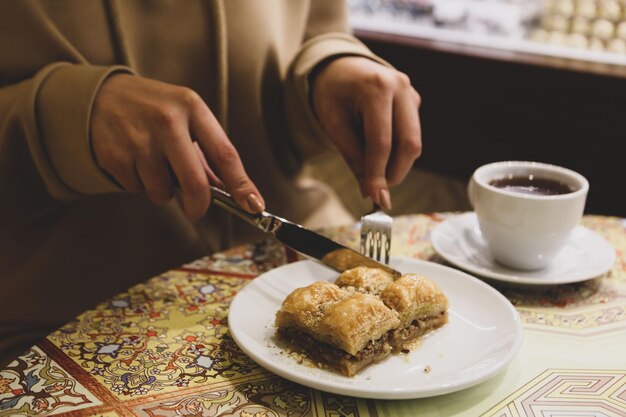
302 240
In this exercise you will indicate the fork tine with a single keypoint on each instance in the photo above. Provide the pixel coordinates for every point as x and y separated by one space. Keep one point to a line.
387 248
376 235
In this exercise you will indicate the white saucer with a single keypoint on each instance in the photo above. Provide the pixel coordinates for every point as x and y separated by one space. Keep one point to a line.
458 240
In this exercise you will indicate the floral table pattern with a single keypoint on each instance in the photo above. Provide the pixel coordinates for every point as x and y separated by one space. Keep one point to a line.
163 348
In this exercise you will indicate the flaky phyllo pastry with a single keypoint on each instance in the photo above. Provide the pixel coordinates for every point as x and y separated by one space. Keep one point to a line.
360 319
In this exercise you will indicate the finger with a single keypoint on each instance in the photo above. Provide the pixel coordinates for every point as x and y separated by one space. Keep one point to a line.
194 183
223 156
129 179
407 131
154 174
120 165
213 178
377 119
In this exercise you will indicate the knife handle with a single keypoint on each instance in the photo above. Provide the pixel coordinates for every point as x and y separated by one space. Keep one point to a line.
224 200
264 220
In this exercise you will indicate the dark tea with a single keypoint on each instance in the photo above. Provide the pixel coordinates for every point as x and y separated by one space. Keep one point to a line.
530 184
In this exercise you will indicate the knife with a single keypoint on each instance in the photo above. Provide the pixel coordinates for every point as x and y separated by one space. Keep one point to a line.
302 240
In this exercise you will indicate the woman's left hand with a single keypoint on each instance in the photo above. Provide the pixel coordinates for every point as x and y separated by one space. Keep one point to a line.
371 113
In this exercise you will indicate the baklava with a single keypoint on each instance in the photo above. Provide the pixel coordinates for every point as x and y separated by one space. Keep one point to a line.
364 279
419 302
361 319
421 306
345 331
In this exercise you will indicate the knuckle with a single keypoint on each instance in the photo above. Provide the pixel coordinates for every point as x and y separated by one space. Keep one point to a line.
403 80
227 153
418 98
240 188
190 98
243 185
418 150
381 81
412 147
139 145
167 116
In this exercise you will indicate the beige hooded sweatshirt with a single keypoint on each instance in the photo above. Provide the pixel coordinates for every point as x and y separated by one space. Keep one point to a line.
69 236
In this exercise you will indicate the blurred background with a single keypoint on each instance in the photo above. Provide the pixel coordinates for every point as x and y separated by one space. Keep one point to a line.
593 30
536 80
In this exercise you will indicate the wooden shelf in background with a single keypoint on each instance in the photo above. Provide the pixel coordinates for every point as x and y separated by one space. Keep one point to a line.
555 62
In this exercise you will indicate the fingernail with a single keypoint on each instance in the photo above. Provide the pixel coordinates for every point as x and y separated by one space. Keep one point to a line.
384 199
255 203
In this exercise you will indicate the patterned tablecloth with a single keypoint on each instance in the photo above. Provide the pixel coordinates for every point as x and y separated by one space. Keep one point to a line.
163 348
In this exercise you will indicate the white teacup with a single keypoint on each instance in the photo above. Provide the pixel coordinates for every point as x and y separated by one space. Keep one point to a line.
524 229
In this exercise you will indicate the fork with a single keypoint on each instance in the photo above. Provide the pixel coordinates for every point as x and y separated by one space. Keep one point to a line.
376 234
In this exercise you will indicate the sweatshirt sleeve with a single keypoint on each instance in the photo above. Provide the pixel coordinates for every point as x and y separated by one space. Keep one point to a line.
326 37
50 112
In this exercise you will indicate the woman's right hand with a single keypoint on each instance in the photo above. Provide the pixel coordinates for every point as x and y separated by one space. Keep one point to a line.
141 134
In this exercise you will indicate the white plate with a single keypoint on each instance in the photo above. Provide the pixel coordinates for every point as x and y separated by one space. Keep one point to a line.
483 335
458 240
